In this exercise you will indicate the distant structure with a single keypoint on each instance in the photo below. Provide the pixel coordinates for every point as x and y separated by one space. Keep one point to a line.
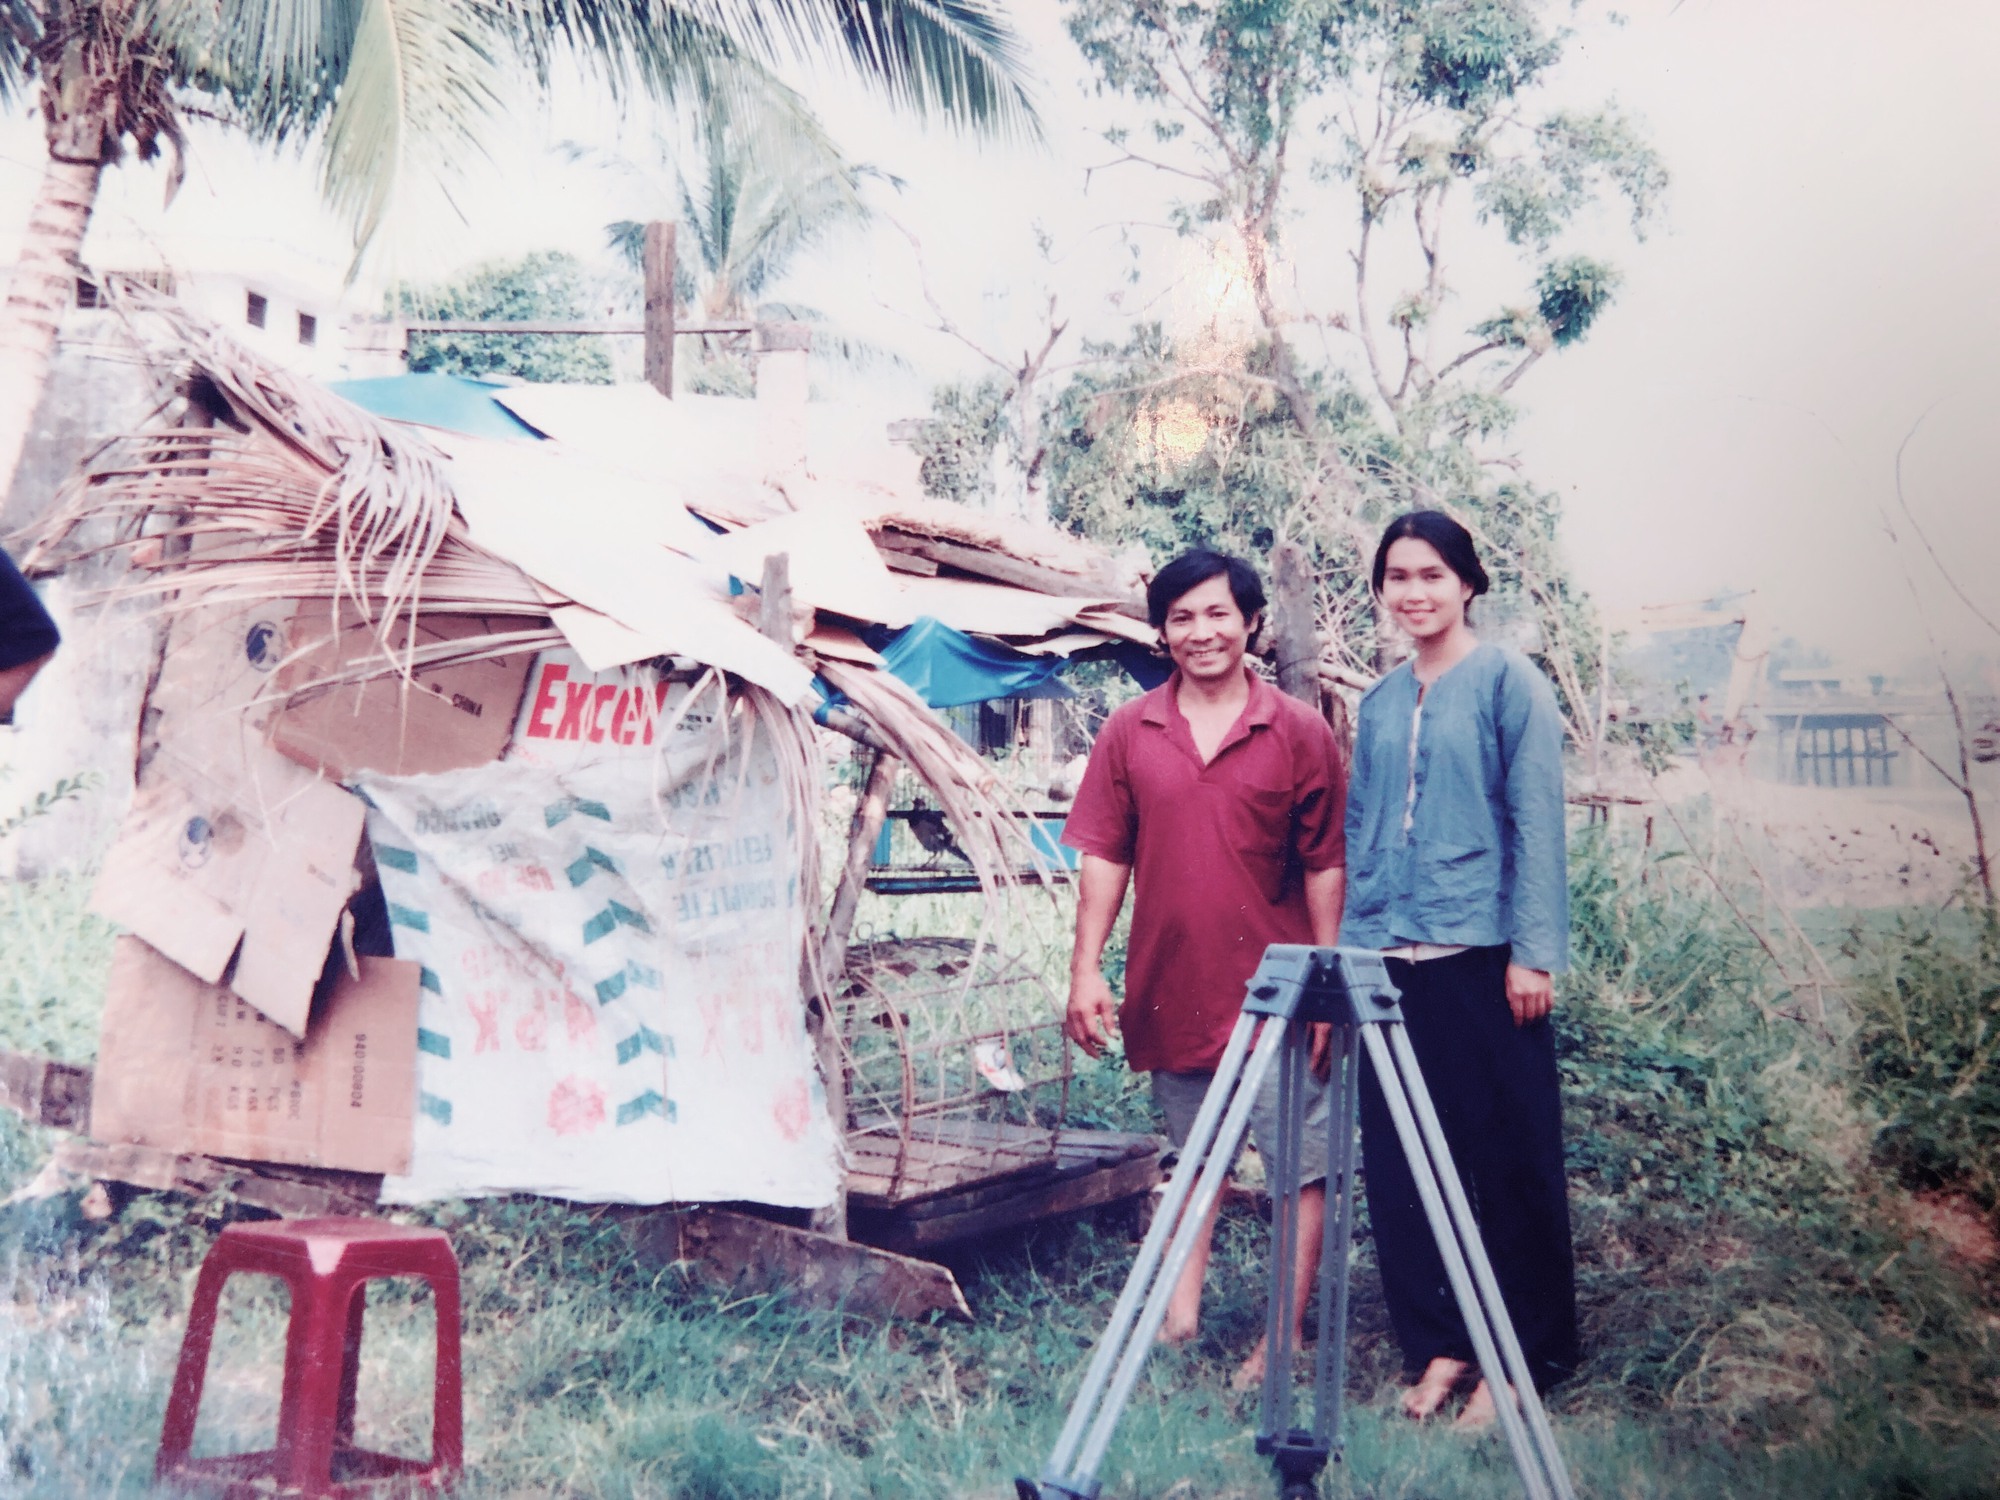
1835 730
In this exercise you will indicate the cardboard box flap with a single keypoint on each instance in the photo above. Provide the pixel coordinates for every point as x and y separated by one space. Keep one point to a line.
215 694
437 719
251 871
190 1067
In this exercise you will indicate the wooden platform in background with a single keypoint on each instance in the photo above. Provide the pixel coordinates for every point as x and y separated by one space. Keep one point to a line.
942 1156
1090 1168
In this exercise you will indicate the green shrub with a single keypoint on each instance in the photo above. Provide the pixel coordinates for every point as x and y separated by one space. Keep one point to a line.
1926 1012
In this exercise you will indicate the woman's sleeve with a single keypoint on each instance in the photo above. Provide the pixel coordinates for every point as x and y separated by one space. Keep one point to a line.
1357 779
1531 745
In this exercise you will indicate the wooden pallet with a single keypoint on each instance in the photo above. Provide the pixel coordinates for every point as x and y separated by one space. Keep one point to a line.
942 1156
1090 1168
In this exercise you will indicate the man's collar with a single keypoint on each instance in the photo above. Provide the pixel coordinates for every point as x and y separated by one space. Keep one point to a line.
1159 706
1263 705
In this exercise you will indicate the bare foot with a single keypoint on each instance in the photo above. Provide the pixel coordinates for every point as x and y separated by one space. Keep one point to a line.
1250 1374
1179 1327
1479 1413
1441 1377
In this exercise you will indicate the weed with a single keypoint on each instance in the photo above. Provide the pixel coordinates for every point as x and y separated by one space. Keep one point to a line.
1926 1010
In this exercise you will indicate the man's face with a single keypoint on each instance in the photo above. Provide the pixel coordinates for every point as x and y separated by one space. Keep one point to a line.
1205 632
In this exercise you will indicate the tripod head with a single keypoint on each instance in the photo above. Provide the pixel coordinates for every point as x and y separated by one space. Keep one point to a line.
1338 986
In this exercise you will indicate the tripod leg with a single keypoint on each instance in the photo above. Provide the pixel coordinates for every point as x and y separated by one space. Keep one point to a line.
1207 1189
1283 1172
1481 1266
1144 1266
1528 1459
1336 1244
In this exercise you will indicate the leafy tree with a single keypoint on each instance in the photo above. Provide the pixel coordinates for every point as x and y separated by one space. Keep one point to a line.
547 285
957 445
759 183
385 86
1416 120
755 182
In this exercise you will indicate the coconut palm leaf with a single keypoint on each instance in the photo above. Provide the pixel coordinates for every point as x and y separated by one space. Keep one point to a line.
422 78
954 59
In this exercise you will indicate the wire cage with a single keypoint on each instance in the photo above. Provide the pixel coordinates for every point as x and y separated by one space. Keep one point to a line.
957 1068
916 853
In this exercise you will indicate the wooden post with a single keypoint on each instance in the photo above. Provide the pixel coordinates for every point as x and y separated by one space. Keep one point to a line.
658 262
774 600
774 619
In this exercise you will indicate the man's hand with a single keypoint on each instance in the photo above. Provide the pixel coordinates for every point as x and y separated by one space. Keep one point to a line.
1092 1017
1530 992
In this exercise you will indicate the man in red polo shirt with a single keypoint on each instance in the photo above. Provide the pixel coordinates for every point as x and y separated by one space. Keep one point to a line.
1220 802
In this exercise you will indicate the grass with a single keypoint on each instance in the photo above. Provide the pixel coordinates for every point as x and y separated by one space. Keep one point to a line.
1759 1321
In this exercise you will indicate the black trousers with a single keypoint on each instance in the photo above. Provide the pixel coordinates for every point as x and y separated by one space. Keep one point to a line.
1496 1090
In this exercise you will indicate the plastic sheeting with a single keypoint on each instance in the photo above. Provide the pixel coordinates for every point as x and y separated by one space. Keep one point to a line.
948 668
610 1008
450 402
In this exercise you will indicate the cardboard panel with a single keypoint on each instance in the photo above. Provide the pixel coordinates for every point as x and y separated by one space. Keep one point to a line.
438 719
252 868
215 695
189 1067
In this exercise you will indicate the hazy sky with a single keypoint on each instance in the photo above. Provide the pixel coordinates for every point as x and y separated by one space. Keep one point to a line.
1818 291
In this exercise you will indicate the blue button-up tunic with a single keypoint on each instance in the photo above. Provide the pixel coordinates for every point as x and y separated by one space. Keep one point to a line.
1476 856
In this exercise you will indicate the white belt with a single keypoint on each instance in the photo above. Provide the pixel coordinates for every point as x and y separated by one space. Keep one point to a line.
1416 953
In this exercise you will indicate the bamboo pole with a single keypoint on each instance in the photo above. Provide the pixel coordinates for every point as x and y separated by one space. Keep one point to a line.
870 812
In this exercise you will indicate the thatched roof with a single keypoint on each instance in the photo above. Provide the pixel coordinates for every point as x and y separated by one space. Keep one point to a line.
255 484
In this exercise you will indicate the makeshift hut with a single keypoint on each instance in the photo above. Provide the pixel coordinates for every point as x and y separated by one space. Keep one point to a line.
474 835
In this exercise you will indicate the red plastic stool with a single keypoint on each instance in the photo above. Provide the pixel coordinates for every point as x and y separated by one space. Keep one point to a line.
325 1262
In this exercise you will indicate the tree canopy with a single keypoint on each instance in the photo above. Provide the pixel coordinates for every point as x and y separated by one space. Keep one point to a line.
545 286
1413 137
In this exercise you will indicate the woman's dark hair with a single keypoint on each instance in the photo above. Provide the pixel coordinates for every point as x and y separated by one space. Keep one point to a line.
1452 541
1191 570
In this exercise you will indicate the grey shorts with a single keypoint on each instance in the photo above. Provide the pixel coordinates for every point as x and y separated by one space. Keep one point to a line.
1179 1097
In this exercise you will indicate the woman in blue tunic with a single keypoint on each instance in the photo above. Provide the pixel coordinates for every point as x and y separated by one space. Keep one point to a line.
1456 871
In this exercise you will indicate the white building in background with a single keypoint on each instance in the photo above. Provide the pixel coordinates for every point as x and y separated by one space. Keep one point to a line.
291 307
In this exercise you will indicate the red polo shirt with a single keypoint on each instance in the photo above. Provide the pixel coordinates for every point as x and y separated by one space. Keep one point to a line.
1217 853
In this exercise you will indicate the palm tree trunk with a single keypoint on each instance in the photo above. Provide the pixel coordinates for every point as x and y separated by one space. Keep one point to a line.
43 284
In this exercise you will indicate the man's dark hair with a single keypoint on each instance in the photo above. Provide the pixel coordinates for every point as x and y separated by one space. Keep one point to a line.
1452 541
1191 570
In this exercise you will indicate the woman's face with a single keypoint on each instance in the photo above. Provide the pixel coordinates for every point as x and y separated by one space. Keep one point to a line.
1421 592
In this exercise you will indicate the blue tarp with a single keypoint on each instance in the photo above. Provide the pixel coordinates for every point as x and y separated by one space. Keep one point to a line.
448 401
948 667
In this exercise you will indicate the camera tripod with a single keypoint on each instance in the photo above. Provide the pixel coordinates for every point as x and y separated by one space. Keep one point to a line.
1294 987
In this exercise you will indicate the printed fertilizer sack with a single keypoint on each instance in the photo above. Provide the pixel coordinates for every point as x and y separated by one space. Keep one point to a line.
610 945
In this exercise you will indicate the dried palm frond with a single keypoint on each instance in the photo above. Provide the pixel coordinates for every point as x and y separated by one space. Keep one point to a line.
802 779
272 488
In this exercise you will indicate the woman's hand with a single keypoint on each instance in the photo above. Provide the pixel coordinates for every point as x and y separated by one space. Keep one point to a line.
1092 1017
1530 992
